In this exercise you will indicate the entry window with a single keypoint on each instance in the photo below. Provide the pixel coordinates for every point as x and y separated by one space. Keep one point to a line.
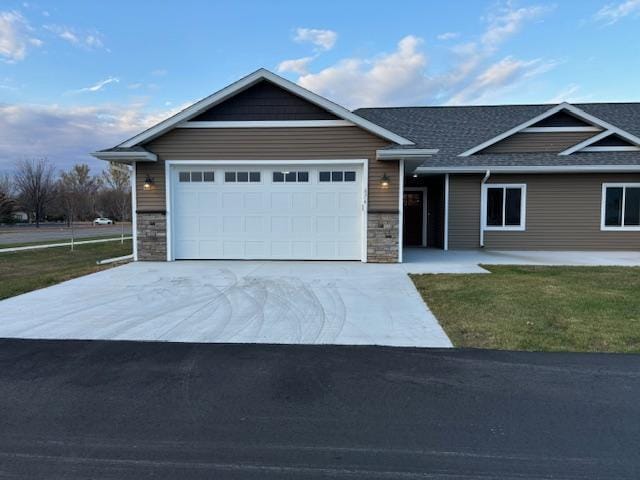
504 207
242 177
620 206
337 176
290 177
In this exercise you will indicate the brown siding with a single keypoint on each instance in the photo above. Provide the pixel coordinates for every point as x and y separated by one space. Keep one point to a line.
265 101
563 213
269 144
464 211
538 142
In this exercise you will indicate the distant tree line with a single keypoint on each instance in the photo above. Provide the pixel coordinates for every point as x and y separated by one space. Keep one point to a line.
35 189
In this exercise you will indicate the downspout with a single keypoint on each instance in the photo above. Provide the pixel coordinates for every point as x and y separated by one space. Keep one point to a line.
483 206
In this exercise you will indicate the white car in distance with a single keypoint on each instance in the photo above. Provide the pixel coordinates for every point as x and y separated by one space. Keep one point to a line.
103 221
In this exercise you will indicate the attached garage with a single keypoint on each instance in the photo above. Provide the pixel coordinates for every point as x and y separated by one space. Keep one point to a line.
266 210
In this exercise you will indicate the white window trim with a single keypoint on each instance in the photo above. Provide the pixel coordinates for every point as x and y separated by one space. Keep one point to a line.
603 204
523 207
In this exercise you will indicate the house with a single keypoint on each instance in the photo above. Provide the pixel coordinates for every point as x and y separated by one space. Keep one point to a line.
264 169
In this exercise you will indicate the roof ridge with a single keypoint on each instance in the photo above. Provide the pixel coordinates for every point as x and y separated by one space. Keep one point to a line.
493 106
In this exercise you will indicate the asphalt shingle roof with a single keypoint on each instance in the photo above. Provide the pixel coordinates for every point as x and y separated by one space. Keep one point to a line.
454 130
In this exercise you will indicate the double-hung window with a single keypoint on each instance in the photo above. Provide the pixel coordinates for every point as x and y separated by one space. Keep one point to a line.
504 206
620 206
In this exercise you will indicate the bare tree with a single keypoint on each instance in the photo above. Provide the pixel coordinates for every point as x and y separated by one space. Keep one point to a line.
115 197
7 203
35 186
77 189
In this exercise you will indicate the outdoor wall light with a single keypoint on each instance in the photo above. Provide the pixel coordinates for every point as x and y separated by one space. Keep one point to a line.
148 183
384 181
415 175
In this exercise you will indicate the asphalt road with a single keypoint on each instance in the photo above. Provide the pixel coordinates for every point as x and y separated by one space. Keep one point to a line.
99 410
58 232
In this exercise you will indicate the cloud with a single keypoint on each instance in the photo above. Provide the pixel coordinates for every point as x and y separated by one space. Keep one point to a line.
15 36
100 85
507 72
448 36
159 72
66 135
323 39
298 65
614 12
508 21
89 40
391 78
401 77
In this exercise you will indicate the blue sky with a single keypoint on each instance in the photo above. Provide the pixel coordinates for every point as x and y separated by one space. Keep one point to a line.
77 76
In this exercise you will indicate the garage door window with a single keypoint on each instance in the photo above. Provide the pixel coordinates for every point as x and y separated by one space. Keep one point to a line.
290 177
242 177
184 177
337 176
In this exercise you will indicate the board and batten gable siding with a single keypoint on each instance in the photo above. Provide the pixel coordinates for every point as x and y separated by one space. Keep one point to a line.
538 142
304 144
562 213
264 101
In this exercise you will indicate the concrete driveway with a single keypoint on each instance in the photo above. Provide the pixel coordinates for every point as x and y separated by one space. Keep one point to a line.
346 303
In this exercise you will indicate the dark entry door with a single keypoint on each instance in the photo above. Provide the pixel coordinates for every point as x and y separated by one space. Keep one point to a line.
413 205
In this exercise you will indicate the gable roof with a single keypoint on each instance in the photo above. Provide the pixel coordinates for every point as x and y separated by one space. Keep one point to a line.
455 130
248 81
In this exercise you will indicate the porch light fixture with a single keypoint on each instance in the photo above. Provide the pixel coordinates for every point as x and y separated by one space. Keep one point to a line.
384 181
415 175
148 183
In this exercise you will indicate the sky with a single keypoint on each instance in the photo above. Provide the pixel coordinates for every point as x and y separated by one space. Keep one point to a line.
77 76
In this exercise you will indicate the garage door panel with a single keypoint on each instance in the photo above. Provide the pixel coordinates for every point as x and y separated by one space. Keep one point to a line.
266 219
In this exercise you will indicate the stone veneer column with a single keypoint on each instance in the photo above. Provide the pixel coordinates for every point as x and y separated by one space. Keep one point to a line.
152 236
382 237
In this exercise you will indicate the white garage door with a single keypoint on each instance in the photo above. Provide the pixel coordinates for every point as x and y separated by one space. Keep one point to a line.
302 212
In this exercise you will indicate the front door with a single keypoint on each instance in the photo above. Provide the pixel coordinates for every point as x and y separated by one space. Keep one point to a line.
413 207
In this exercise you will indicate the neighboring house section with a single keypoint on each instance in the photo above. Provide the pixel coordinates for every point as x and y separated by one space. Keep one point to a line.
264 169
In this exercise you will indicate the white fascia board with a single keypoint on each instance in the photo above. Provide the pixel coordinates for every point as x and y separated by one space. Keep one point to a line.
532 169
246 82
126 156
399 154
577 112
619 148
268 124
583 146
559 129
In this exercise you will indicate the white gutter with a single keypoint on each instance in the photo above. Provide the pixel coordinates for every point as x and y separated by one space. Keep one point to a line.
483 206
405 153
126 156
532 169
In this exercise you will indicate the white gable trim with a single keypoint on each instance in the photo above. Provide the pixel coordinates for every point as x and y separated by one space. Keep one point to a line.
248 81
581 114
589 141
267 124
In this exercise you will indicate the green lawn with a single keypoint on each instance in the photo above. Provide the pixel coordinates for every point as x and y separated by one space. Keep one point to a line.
29 270
591 309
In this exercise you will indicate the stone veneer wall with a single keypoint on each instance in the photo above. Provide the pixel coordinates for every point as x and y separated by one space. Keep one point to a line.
382 237
152 236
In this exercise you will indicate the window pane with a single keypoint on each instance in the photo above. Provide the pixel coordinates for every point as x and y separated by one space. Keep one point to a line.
325 176
254 176
184 176
303 176
349 176
290 177
336 176
229 176
243 176
196 176
494 207
512 207
613 207
278 177
632 207
208 176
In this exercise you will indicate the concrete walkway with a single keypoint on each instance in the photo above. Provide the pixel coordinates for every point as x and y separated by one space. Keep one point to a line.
428 260
227 301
